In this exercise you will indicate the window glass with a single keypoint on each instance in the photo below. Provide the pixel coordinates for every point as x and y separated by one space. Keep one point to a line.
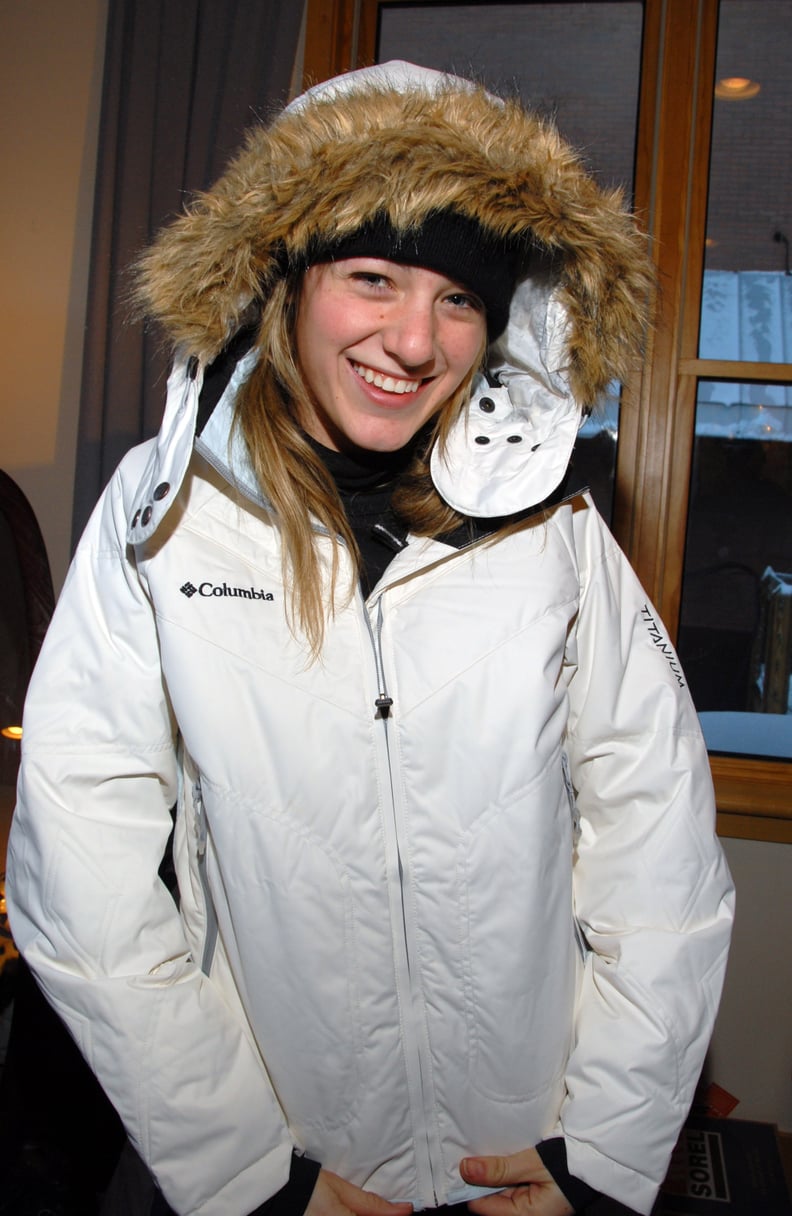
747 295
735 638
578 63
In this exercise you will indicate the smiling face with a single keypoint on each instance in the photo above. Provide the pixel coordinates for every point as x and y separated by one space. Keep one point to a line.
382 348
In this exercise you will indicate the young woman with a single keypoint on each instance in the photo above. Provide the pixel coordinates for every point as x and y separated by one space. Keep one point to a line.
451 918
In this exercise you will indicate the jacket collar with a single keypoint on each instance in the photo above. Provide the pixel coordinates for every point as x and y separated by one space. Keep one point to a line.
510 450
218 442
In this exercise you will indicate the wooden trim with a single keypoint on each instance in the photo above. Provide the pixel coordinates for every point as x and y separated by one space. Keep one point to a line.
754 798
695 232
331 34
339 35
636 393
656 427
746 786
369 28
754 827
732 369
682 423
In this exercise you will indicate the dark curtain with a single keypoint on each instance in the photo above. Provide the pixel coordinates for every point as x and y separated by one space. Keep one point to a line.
182 82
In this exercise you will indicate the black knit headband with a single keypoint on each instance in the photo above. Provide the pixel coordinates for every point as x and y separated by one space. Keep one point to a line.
446 241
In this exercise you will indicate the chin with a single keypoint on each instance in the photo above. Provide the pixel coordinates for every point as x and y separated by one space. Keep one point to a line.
375 434
382 443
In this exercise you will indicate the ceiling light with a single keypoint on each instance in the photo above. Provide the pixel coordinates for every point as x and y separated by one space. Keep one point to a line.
736 88
12 732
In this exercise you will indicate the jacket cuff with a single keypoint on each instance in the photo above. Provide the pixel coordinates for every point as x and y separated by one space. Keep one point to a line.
554 1159
293 1198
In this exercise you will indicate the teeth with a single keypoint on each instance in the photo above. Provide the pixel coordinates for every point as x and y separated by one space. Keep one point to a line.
386 382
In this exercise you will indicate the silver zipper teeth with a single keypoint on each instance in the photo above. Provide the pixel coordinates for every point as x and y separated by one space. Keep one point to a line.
384 703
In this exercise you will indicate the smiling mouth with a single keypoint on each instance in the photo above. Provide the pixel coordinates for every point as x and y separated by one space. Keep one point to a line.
390 384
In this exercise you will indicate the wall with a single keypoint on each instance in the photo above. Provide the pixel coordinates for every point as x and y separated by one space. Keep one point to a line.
751 1053
50 87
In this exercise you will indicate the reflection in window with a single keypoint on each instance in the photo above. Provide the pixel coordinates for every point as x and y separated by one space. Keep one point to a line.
735 638
747 315
747 298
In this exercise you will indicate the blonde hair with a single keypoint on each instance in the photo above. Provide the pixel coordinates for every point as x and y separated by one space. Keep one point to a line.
295 481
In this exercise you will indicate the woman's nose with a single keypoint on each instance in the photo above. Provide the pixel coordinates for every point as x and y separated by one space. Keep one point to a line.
409 335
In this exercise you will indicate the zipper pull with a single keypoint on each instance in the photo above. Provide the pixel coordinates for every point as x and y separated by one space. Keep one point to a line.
383 702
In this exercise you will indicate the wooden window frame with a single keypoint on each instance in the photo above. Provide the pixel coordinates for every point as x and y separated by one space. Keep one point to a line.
657 420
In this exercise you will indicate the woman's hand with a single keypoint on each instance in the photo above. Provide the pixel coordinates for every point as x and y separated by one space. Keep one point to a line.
332 1196
529 1189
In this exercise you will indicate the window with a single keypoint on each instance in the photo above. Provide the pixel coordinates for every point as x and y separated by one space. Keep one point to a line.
690 441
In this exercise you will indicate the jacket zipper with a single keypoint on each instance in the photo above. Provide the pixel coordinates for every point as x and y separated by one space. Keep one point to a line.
416 1048
201 838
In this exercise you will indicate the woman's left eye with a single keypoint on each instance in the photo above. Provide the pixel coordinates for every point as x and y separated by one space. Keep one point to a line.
461 299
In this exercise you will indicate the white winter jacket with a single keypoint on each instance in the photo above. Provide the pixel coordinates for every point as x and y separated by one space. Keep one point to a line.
450 890
496 913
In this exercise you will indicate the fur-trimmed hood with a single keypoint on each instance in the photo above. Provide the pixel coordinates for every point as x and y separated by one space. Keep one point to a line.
408 141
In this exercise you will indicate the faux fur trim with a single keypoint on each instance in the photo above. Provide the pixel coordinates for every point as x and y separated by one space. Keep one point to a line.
321 170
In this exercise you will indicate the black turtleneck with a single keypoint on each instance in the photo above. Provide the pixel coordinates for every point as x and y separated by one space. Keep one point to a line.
365 483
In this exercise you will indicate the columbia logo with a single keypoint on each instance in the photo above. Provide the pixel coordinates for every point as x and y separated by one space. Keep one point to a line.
224 590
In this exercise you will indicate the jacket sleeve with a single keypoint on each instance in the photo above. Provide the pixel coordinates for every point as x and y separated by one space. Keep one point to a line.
98 928
653 895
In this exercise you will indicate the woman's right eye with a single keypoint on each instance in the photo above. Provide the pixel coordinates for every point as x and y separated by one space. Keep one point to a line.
370 278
